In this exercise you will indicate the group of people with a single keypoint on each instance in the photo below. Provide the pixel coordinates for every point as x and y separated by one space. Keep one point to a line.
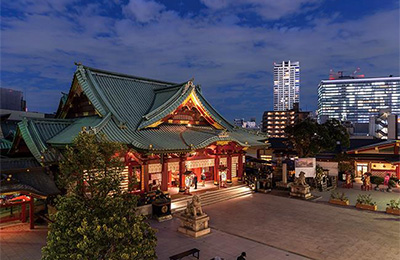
203 180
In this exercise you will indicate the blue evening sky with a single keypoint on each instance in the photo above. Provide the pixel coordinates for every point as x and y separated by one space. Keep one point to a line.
228 46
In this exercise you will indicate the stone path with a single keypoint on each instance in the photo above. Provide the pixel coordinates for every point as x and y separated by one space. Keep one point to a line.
262 225
217 243
311 229
21 243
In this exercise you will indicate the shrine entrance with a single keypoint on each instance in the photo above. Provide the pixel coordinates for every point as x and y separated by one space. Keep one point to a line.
202 169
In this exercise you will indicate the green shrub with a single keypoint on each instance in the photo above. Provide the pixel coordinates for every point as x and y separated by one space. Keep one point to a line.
394 204
392 183
377 180
365 199
395 179
339 196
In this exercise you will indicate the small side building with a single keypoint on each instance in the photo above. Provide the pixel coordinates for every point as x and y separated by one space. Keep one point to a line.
379 159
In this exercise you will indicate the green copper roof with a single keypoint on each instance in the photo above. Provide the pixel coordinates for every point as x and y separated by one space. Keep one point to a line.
167 107
36 132
40 135
127 106
67 135
5 144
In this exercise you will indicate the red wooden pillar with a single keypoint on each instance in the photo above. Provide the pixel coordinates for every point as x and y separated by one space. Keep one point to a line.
31 213
164 173
182 170
146 176
240 166
398 170
229 169
23 212
216 170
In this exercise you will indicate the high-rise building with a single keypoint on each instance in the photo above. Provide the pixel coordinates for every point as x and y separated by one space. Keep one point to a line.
275 122
286 85
357 99
12 99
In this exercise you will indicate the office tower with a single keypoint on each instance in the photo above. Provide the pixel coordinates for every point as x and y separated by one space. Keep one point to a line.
286 85
12 99
357 99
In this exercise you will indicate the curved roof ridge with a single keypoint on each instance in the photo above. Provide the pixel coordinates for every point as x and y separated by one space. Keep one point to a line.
47 120
105 100
166 104
170 105
217 138
126 75
88 90
214 112
102 123
27 137
169 88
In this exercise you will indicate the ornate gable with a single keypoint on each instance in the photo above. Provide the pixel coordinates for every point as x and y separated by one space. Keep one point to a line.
190 112
77 104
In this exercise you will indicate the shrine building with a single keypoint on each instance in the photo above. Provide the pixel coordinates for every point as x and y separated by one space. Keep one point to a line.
171 130
379 159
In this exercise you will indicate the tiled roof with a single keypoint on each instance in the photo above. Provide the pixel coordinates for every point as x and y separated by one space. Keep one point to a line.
127 108
67 135
5 144
41 134
18 163
358 144
33 182
36 132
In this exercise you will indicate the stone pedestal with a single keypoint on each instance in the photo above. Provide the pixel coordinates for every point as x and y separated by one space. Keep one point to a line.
194 226
301 191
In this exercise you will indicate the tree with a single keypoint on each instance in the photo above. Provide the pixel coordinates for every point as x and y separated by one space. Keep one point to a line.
310 138
96 219
332 132
305 138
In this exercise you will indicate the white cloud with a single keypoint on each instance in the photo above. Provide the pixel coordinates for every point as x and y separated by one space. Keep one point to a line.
267 9
215 4
144 10
224 57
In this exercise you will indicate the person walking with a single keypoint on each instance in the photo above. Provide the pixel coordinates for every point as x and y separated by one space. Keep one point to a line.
195 182
203 179
242 256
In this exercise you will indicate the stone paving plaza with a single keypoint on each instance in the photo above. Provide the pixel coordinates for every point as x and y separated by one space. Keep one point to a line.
266 227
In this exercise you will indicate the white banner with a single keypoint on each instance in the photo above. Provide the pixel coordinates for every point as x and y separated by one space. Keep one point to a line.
235 159
154 168
223 161
199 163
173 166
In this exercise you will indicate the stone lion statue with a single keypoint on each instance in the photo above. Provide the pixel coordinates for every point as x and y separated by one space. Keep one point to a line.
194 207
301 180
